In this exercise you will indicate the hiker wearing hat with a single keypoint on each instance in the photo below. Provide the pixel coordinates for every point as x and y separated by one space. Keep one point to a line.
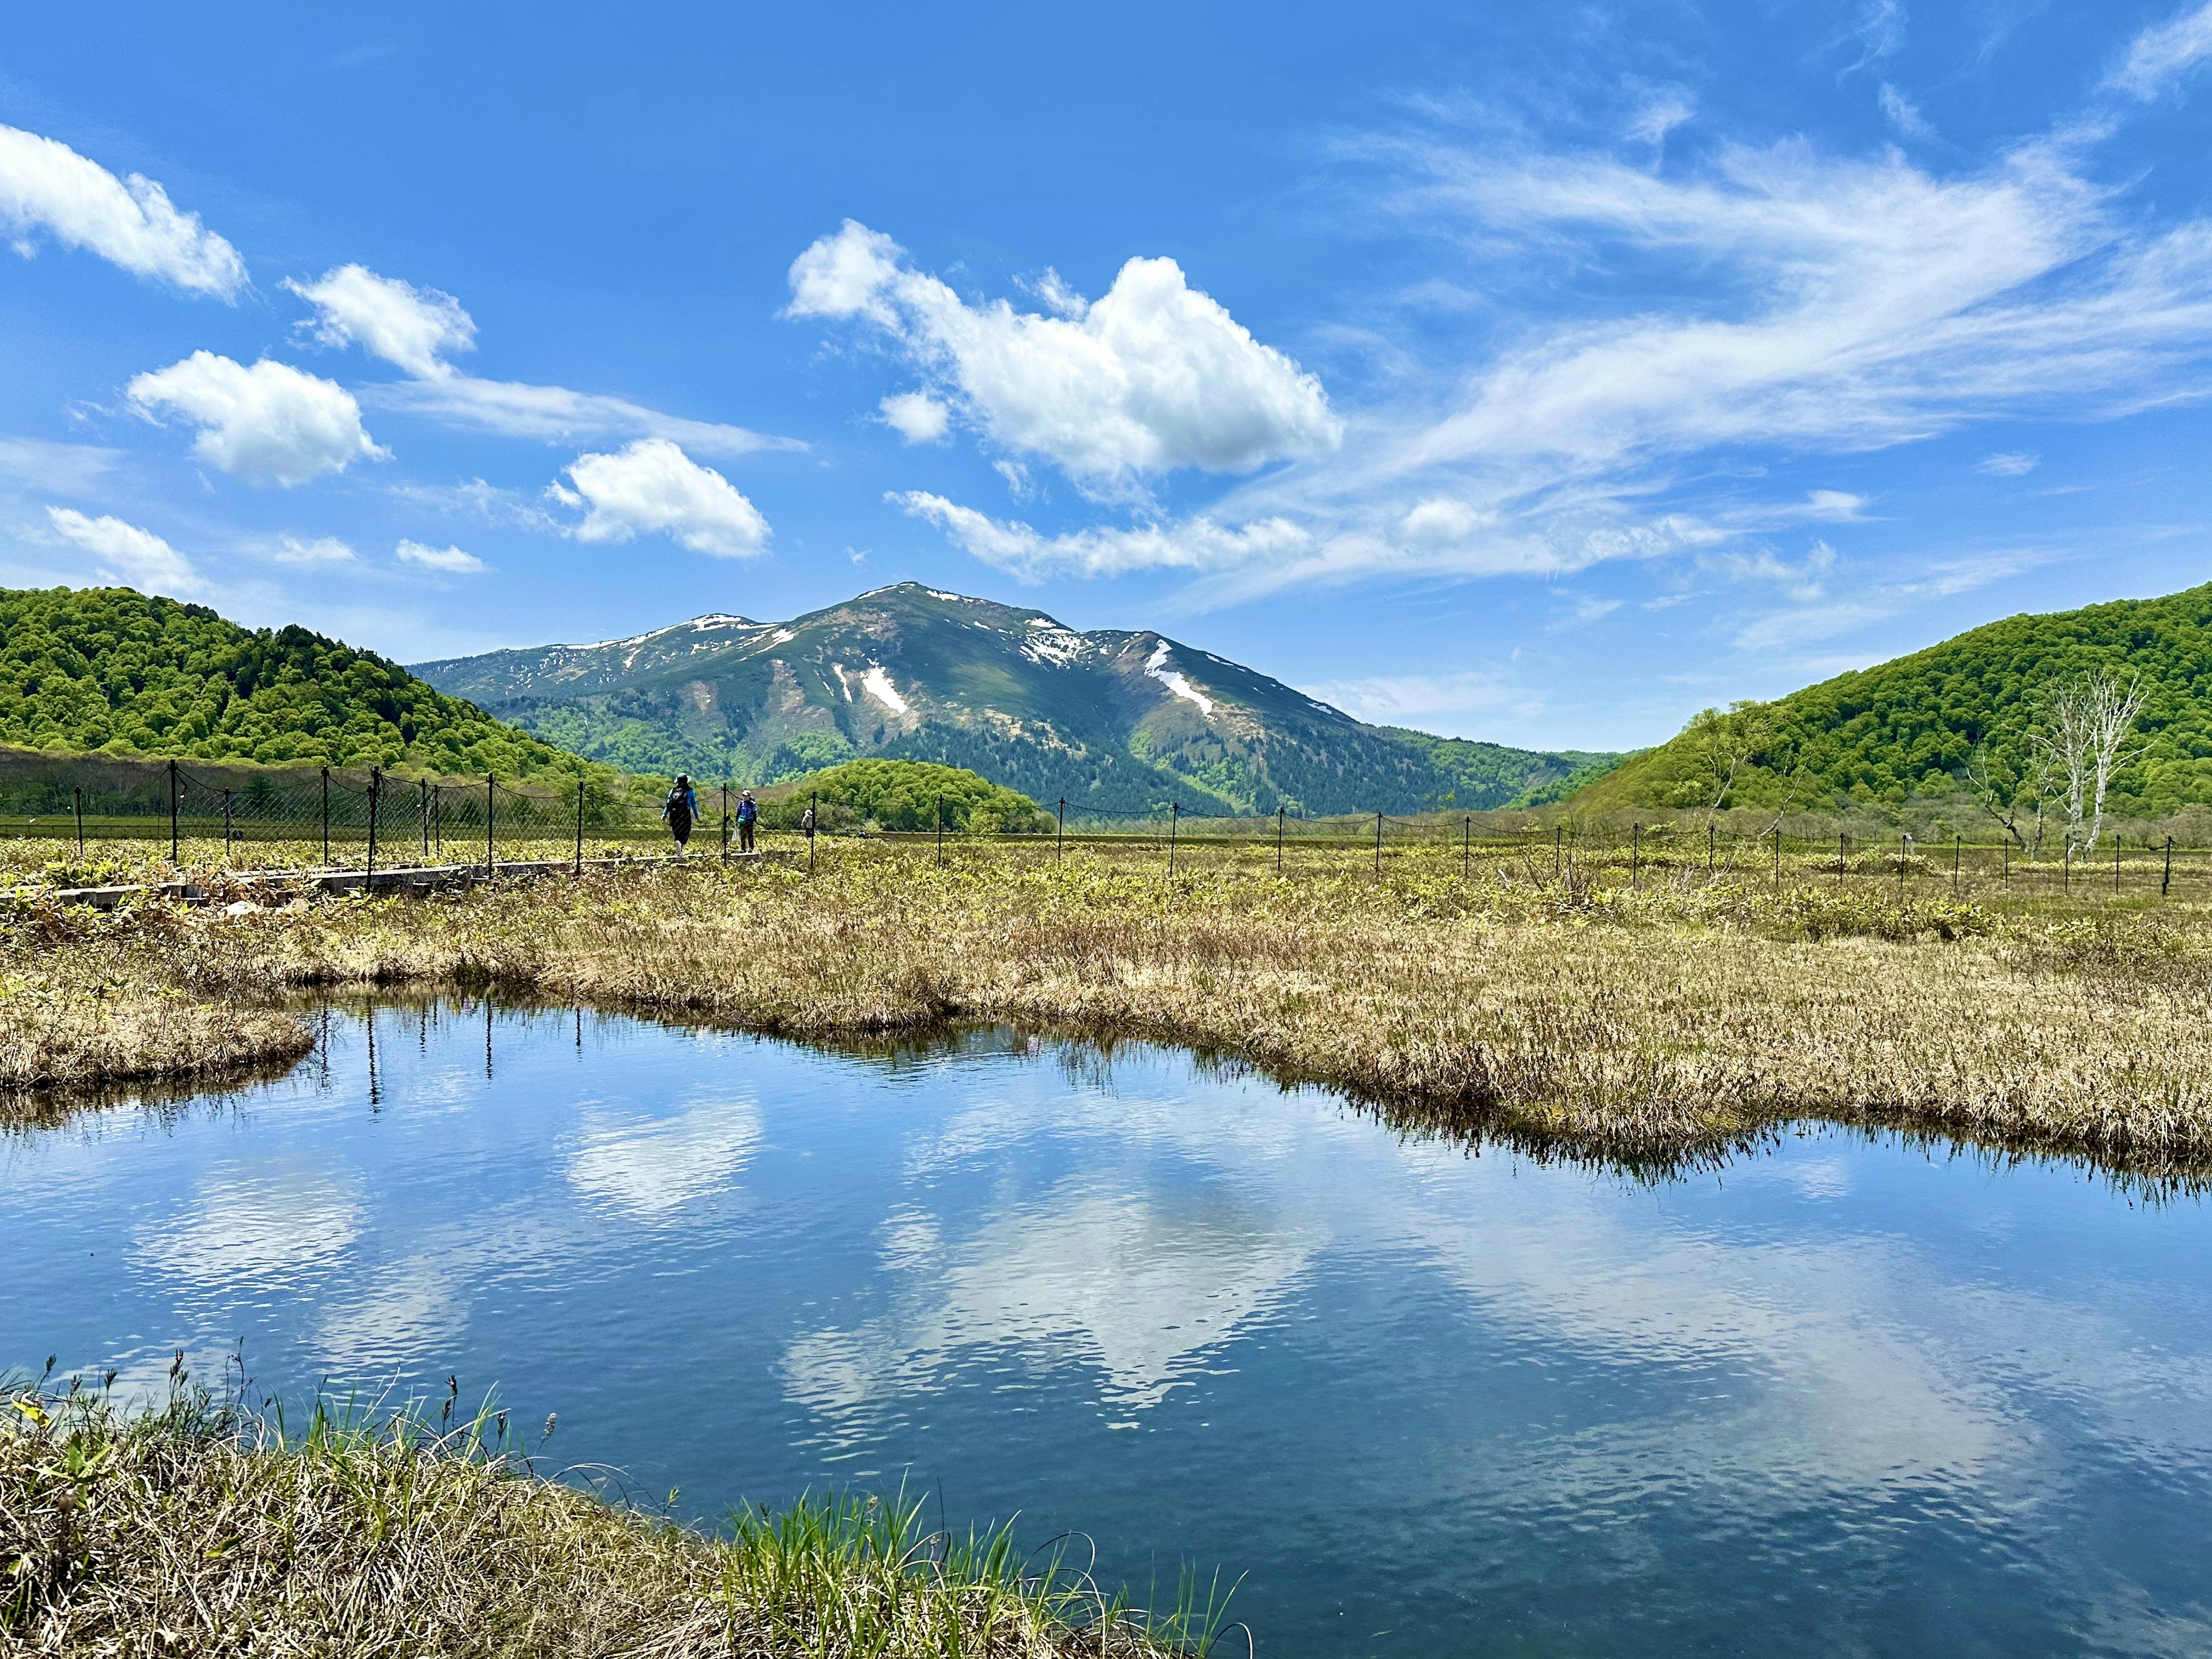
680 809
747 814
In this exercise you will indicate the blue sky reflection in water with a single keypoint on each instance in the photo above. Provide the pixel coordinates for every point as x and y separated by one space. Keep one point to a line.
1845 1398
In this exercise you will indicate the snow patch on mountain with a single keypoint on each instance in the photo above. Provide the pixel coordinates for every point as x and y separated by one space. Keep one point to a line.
1052 646
1157 667
878 685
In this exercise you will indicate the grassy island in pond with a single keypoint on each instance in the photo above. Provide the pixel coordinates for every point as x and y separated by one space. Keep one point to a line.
1667 1020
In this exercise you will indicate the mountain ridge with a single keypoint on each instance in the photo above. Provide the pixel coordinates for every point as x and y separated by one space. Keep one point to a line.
1114 720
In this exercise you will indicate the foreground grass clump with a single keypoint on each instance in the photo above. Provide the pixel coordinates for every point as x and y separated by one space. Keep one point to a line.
86 1007
1674 1018
200 1530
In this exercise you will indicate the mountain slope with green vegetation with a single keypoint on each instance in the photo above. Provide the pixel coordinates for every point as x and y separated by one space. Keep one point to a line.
112 670
1954 719
1117 723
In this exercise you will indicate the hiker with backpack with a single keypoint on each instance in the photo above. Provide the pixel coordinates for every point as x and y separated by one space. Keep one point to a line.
680 809
748 815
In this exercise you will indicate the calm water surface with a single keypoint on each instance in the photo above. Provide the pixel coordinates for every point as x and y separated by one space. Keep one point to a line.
1843 1398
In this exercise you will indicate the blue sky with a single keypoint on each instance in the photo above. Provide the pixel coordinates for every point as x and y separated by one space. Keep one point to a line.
1541 373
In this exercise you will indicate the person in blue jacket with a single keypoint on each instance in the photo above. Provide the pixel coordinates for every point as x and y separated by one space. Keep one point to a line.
680 809
748 815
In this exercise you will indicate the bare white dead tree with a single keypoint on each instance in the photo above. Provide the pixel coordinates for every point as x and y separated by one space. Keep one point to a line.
1721 745
2082 735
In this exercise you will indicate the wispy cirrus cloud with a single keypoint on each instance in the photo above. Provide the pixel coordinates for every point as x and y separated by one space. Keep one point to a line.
2160 55
416 329
1792 301
1412 699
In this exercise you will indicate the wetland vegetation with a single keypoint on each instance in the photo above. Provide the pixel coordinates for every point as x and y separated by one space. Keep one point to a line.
203 1528
1670 1019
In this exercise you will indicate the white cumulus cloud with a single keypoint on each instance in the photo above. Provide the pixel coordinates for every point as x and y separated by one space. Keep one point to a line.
413 327
450 559
47 186
137 557
1152 377
653 485
270 423
916 416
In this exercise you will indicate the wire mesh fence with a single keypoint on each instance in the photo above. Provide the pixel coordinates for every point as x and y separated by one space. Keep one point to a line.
2120 861
331 818
354 818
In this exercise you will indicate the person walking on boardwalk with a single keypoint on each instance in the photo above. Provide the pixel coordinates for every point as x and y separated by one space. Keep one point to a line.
748 815
680 809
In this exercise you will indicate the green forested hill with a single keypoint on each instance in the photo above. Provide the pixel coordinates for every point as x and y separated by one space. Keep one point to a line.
113 670
895 794
1909 728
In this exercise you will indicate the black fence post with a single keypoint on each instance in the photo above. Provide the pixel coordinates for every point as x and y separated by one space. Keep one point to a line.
940 829
1059 834
326 818
1558 840
1175 817
1778 859
1635 853
2008 866
491 860
2116 861
1841 838
78 793
1378 846
813 829
1281 814
1709 849
2066 870
172 813
1957 841
226 827
1466 849
2164 881
579 824
375 788
1901 842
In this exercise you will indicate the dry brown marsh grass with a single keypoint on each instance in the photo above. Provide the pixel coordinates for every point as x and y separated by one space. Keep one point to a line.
1677 1018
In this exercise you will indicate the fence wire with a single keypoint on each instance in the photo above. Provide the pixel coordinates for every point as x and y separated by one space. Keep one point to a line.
337 819
347 817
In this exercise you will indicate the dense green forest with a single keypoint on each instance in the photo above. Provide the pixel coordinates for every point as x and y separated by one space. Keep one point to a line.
897 794
1481 776
111 669
1910 729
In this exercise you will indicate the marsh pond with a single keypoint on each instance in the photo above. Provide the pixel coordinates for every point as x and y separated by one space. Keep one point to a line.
1841 1395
